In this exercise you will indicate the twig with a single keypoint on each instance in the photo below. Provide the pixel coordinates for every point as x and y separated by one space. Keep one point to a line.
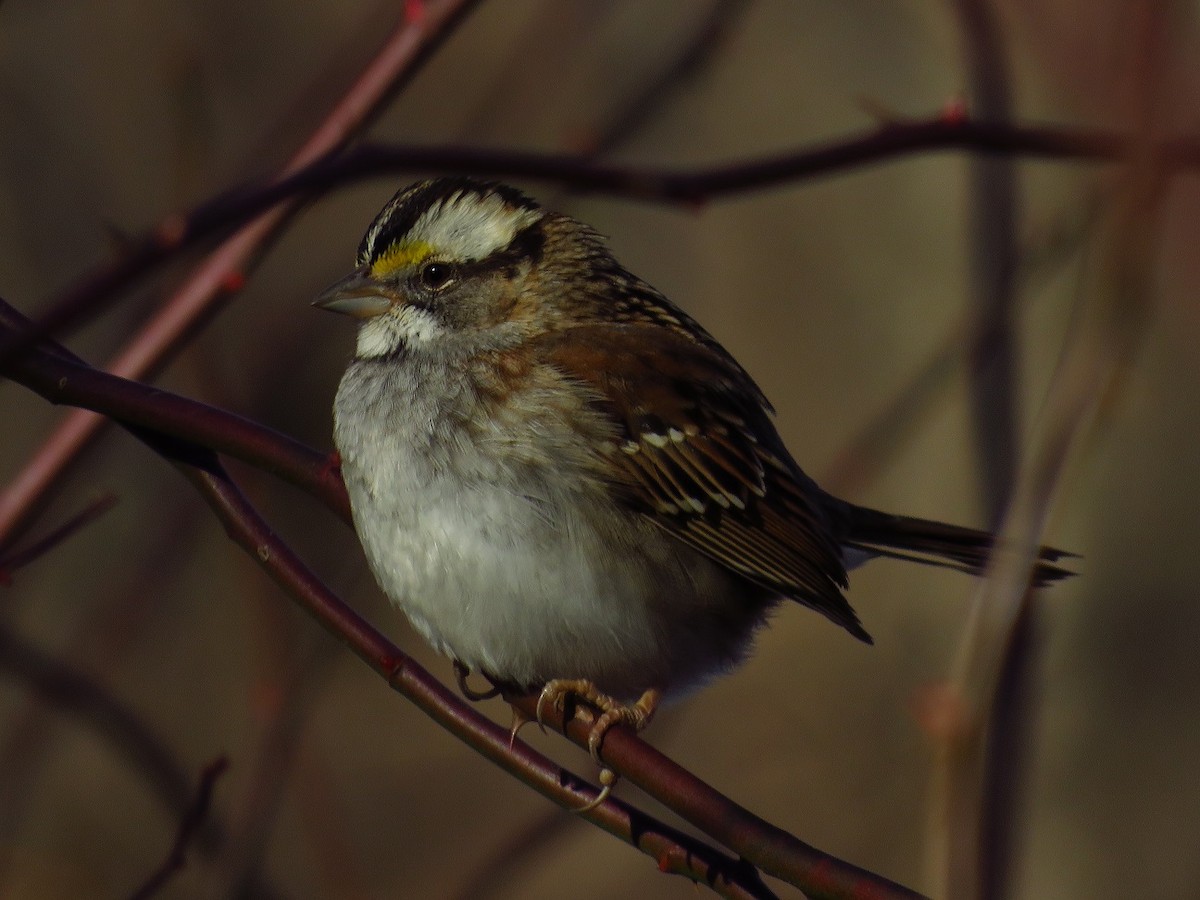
993 386
885 431
126 608
89 704
22 557
252 825
768 847
994 265
709 37
193 819
71 690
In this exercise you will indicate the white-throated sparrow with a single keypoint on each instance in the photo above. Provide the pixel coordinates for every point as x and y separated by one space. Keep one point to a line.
560 477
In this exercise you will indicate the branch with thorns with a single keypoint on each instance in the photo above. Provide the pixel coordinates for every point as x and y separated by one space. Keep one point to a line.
188 434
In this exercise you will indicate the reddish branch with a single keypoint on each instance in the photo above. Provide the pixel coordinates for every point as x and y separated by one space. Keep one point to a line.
186 432
892 140
192 821
995 412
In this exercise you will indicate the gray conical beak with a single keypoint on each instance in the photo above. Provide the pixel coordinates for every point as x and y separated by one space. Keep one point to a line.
359 295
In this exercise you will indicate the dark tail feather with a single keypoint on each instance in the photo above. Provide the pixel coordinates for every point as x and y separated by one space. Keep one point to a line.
937 543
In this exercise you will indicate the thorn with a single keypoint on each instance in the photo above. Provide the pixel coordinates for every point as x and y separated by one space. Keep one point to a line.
940 711
883 114
955 111
171 231
607 779
233 281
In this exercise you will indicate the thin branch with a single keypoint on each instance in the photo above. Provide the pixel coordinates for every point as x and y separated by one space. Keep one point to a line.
1110 318
10 562
89 704
64 378
884 432
994 261
120 726
125 609
773 850
994 414
893 140
708 38
252 826
193 819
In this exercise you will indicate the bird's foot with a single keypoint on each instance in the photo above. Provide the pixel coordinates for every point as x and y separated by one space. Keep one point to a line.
560 692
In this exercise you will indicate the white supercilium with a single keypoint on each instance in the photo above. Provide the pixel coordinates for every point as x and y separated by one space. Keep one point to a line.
468 227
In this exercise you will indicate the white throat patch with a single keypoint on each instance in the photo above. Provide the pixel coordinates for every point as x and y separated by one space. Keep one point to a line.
398 327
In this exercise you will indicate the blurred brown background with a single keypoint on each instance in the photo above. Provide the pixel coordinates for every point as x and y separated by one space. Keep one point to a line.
833 292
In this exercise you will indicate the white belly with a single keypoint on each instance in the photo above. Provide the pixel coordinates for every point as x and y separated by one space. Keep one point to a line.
526 570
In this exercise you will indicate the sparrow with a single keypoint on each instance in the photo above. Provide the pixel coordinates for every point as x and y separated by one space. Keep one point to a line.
562 479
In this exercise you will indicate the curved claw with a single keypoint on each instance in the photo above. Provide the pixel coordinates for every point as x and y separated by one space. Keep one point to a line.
519 721
460 675
547 695
558 690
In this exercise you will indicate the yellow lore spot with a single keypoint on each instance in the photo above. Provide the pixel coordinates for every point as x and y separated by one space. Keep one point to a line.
400 256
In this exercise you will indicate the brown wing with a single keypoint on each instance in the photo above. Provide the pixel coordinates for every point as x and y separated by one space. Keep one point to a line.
700 458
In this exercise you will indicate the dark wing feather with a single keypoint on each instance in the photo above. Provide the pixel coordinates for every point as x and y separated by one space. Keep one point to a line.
699 456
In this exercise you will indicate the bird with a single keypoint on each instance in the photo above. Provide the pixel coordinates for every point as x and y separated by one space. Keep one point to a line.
563 480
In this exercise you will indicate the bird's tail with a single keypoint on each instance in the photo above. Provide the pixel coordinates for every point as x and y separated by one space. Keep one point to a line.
937 543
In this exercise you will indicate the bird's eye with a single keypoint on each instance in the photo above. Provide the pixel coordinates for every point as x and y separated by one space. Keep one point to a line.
435 275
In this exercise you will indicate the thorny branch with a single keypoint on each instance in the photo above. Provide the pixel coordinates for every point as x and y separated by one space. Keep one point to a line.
59 376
